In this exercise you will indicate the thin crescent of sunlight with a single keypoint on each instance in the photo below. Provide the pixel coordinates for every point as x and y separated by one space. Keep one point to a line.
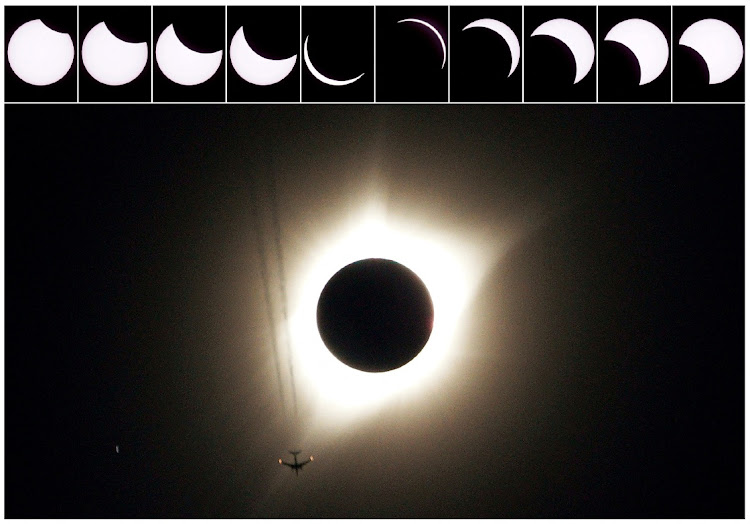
320 76
450 267
440 37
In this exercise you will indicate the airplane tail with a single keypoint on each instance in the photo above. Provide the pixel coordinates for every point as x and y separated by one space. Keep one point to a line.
295 453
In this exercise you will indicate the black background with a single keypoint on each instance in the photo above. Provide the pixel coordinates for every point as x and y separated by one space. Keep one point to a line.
201 28
409 55
58 18
480 58
132 24
340 47
549 66
603 369
272 32
690 71
619 72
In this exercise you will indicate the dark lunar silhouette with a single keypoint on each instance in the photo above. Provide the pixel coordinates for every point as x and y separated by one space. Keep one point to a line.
375 315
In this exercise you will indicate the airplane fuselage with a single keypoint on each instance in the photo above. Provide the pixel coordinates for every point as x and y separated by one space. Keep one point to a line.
297 465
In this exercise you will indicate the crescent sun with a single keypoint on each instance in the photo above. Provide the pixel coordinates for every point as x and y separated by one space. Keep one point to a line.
181 64
320 76
39 55
718 44
646 42
112 61
506 33
437 33
254 68
576 38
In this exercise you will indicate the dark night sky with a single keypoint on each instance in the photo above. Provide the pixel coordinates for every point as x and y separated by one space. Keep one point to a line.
600 367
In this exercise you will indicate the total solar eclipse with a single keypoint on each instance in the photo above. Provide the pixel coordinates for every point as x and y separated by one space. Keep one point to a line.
375 315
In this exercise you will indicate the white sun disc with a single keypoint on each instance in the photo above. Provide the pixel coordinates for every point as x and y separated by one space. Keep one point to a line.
181 64
718 44
576 38
254 68
506 33
110 60
646 42
39 55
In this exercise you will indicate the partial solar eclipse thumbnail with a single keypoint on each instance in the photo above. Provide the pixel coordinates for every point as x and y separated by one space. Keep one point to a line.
40 56
115 44
708 53
189 53
412 53
485 53
634 54
337 54
559 54
264 53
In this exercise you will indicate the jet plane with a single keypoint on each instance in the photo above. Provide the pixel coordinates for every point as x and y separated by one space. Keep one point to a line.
297 465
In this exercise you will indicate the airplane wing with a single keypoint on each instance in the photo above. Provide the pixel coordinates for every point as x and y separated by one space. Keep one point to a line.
300 464
285 463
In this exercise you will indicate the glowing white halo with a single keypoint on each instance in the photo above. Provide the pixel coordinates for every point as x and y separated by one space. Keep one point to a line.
39 55
718 44
646 42
254 68
112 61
181 64
506 33
448 269
440 37
320 76
576 38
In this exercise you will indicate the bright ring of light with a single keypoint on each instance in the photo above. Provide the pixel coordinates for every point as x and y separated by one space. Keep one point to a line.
448 271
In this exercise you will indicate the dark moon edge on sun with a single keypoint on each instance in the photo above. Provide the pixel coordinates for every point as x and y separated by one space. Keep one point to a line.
375 315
